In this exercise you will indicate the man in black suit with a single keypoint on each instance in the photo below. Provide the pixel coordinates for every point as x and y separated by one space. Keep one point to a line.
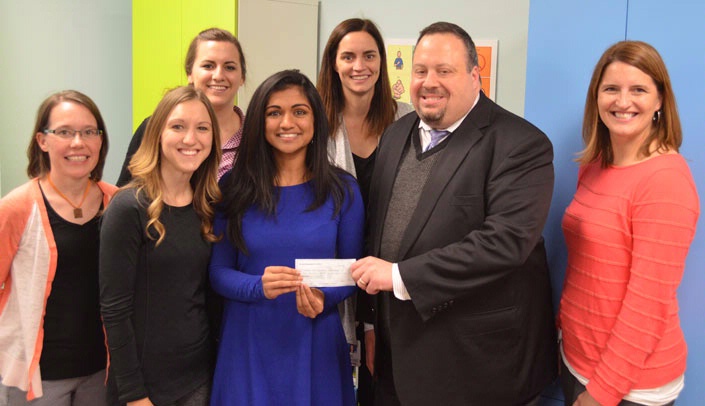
458 200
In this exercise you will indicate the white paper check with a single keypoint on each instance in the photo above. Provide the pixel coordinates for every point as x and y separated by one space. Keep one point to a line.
325 273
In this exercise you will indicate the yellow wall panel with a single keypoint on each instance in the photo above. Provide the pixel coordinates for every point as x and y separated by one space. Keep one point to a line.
198 15
156 54
161 32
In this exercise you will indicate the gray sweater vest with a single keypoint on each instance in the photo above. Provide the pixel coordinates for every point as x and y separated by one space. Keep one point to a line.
408 185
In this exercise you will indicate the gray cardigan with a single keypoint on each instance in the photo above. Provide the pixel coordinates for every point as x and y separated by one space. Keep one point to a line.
340 155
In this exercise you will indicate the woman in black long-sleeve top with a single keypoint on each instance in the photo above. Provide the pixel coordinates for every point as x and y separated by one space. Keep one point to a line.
155 248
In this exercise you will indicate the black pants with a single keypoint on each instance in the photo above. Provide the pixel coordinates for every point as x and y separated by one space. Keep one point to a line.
365 381
385 392
572 388
386 395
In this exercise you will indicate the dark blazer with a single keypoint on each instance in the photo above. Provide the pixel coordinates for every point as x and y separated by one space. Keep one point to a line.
479 329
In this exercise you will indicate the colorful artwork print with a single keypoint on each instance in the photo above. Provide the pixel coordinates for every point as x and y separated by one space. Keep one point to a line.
400 54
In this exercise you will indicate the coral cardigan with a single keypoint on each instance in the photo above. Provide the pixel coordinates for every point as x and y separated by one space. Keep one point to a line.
27 261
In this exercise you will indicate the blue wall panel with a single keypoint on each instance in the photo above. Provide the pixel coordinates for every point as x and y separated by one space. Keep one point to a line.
677 30
564 45
565 41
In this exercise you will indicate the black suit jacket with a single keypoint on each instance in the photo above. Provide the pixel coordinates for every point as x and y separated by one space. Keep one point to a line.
479 329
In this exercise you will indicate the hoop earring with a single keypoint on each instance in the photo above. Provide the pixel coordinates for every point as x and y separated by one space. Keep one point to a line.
657 116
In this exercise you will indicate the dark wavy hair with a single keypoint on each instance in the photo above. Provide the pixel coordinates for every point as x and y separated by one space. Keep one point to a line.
253 179
382 108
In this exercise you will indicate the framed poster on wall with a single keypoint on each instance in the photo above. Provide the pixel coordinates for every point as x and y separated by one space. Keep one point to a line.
399 56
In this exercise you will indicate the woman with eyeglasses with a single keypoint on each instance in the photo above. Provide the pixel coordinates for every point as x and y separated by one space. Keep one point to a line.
52 347
215 65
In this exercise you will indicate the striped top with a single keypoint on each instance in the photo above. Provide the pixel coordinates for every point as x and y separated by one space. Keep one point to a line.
628 230
227 160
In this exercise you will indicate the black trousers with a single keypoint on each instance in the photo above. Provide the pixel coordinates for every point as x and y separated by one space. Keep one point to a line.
365 380
572 388
385 392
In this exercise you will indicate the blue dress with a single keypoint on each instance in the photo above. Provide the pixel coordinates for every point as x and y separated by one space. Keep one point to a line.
270 354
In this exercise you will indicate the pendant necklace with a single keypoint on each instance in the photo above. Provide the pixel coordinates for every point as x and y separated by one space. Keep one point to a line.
77 210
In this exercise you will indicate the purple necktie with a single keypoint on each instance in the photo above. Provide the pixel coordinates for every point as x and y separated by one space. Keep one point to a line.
436 137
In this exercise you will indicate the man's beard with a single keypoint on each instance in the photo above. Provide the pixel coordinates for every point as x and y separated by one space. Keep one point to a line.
432 117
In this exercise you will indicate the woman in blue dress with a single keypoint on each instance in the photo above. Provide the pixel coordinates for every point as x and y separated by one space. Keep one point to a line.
282 341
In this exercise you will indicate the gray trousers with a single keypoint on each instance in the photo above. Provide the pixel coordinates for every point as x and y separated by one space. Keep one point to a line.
83 391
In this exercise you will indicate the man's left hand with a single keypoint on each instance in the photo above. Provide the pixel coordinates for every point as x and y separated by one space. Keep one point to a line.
585 399
372 275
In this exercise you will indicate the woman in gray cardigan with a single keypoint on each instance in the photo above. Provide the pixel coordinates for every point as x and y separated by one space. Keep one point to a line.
354 85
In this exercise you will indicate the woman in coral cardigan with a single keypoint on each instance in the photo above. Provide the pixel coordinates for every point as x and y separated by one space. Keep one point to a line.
51 338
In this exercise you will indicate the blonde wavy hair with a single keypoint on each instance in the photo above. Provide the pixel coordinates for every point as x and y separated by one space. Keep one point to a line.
145 166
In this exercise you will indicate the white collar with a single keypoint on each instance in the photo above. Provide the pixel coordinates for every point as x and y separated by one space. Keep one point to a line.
453 126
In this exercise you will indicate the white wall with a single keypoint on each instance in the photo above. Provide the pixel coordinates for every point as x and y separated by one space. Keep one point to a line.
294 24
505 20
52 45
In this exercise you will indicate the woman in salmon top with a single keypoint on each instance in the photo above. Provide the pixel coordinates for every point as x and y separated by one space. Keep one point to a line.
628 230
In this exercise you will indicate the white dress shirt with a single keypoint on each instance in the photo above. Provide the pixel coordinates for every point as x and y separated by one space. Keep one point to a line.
400 291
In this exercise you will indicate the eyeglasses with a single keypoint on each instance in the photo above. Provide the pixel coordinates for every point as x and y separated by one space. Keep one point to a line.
67 133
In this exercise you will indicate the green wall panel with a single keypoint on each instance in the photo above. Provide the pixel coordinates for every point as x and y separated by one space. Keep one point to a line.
161 32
